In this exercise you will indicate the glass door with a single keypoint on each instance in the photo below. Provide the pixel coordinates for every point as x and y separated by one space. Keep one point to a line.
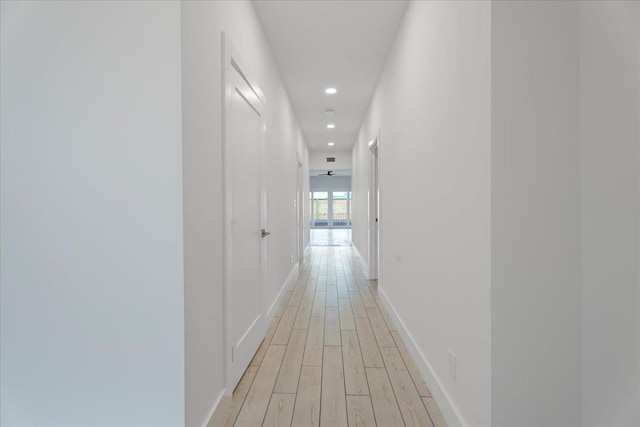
330 209
319 209
340 209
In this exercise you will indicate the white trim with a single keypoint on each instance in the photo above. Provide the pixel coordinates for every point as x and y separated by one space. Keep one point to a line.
222 403
448 408
226 237
291 278
363 264
298 209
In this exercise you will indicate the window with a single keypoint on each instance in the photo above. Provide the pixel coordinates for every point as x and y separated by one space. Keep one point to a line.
330 209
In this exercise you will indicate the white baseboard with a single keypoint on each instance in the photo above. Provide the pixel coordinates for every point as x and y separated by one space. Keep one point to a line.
291 278
218 412
447 407
363 263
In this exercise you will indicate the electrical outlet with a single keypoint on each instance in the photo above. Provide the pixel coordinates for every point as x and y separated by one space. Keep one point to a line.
452 366
291 259
294 203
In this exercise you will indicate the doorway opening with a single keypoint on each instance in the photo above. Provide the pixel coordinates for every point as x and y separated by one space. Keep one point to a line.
330 208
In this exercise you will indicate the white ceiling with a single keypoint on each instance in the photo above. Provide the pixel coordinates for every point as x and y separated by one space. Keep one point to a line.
322 43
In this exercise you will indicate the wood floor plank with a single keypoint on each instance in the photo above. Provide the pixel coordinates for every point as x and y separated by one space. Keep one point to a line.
281 336
304 314
413 410
343 291
411 366
387 319
315 342
383 336
359 275
307 406
255 404
332 327
434 412
309 290
370 352
283 304
303 277
360 411
332 296
296 295
368 299
313 277
346 315
280 410
351 284
333 404
357 305
331 278
319 304
355 379
291 363
266 342
385 407
239 394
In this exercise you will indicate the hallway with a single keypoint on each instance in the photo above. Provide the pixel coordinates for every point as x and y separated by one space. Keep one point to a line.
332 357
185 183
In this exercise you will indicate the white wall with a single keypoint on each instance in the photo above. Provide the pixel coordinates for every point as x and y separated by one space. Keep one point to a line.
610 107
432 107
91 179
202 24
565 213
324 183
536 289
318 160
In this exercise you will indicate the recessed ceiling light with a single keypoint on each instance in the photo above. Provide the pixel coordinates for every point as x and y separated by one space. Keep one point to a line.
330 90
330 126
329 111
331 144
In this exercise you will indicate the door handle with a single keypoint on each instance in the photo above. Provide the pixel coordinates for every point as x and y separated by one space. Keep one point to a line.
265 233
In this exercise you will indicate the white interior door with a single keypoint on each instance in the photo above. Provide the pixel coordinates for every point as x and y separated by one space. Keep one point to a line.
244 212
374 223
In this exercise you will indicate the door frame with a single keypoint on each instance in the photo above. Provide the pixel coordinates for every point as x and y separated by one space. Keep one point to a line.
231 59
299 208
374 208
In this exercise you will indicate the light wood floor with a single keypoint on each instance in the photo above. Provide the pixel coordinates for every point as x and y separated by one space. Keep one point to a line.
332 357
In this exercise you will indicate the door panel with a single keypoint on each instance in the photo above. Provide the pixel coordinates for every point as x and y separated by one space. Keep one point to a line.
374 214
245 311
